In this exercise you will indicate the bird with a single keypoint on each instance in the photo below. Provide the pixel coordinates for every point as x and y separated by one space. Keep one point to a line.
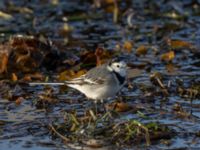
99 83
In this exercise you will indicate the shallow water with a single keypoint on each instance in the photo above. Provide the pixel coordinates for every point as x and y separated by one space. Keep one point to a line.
24 126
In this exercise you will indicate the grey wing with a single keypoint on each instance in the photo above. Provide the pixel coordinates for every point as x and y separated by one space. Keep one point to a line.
97 75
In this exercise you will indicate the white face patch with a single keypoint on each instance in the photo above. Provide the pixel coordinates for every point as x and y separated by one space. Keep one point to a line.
119 67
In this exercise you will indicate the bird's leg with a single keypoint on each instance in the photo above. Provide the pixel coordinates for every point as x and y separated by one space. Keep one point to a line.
96 107
104 107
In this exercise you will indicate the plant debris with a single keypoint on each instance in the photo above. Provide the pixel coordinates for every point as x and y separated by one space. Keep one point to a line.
57 40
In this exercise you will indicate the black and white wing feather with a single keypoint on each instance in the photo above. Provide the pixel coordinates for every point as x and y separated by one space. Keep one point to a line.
94 76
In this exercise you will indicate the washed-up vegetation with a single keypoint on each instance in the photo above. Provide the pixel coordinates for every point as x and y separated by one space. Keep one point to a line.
58 40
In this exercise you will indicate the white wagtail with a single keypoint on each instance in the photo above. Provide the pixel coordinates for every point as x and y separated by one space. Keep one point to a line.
99 83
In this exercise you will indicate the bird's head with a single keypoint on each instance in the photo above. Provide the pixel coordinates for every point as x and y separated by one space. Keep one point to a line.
119 67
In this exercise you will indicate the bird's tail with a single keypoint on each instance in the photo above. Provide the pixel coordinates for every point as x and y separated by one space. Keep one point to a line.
46 83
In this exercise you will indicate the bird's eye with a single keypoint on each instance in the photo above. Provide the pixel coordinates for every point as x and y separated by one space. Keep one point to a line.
117 66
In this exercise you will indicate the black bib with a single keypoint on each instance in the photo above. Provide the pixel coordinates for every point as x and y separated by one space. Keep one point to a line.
120 78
